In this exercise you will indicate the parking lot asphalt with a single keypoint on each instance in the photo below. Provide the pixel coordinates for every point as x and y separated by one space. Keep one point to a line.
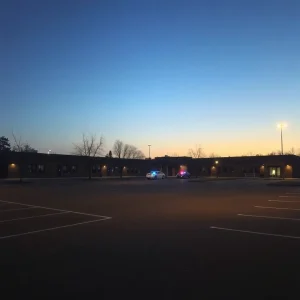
142 239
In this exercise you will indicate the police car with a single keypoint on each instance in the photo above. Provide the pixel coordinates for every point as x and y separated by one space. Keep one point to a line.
183 175
155 175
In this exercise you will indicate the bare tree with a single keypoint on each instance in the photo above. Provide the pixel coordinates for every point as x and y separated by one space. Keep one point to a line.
278 152
19 146
197 152
126 151
90 147
213 155
18 143
132 152
118 148
138 154
121 150
291 151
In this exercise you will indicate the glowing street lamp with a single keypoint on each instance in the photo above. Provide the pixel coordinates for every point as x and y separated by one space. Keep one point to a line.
216 162
281 126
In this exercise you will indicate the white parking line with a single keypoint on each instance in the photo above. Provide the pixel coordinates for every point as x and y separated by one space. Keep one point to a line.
288 196
255 232
288 201
56 209
293 193
49 229
39 216
14 209
271 207
268 217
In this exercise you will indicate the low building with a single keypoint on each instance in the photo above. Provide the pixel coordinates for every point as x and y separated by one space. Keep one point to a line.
26 165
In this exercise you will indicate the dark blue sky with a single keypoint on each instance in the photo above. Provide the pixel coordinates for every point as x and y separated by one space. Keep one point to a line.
169 73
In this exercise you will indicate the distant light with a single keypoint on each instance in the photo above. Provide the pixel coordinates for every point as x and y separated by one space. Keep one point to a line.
217 162
282 125
104 166
12 165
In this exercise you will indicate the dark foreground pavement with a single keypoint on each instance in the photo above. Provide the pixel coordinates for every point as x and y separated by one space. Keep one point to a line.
150 240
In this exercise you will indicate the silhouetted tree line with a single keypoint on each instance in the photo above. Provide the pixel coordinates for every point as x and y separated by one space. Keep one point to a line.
198 152
90 146
18 146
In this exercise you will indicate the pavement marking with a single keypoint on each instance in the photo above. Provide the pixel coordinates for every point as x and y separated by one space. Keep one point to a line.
271 207
255 232
3 204
39 216
284 201
288 196
56 209
293 193
49 229
268 217
14 209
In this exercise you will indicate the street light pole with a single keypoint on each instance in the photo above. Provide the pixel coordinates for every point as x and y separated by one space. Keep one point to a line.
281 126
281 141
216 162
149 151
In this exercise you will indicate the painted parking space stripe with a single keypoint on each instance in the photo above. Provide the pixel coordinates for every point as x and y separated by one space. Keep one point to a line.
288 196
279 208
268 217
39 216
50 229
293 193
284 201
15 209
3 204
255 232
57 209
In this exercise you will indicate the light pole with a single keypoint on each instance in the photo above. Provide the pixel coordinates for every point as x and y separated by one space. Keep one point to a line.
216 162
281 126
149 151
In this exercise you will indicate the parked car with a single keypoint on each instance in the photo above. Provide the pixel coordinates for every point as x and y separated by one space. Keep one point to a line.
155 175
183 175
